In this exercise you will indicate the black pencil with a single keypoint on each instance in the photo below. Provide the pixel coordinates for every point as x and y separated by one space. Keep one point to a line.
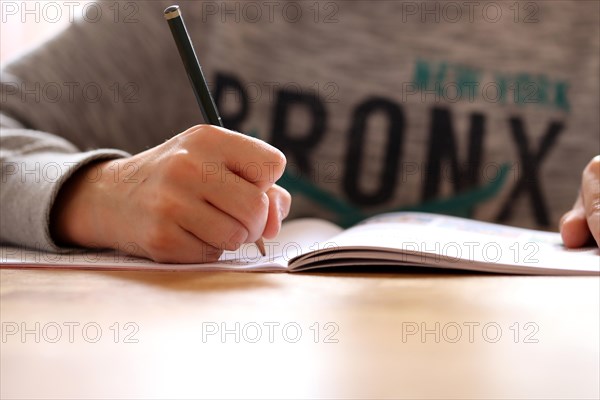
195 75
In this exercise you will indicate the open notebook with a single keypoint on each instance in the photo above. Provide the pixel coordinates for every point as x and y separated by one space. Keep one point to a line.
396 239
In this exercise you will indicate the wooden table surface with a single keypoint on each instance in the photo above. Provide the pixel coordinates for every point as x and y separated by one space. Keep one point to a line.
85 334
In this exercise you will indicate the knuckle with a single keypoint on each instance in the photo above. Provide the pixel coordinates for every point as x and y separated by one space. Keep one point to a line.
195 130
205 136
163 207
178 164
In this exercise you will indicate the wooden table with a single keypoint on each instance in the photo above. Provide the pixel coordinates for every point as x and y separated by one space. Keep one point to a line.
158 335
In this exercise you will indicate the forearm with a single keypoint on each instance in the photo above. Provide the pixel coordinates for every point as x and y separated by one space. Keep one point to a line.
52 127
34 166
78 216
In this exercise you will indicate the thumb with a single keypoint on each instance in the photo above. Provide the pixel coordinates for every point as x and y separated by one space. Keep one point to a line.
590 196
573 226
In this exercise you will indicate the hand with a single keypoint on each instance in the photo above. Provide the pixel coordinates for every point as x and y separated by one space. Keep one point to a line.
206 190
579 225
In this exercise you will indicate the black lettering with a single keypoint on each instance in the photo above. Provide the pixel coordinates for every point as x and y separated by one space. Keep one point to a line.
229 84
442 148
298 147
355 156
530 165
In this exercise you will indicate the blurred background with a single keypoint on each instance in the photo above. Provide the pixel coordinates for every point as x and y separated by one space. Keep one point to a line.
26 24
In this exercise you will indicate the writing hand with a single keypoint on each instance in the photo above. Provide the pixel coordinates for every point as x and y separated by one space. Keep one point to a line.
582 222
205 190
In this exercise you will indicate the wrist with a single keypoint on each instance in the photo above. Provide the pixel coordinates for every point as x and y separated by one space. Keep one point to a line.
79 214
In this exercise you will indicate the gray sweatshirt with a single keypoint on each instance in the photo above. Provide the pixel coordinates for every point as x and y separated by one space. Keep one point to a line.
481 109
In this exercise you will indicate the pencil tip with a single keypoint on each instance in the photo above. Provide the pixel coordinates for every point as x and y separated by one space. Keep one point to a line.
261 247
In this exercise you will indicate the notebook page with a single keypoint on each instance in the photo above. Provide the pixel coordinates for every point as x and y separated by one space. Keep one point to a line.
465 244
295 237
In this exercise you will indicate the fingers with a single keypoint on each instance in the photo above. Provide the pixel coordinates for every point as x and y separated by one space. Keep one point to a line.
260 213
176 227
241 200
234 173
204 191
573 226
211 225
169 243
590 194
279 208
582 223
252 159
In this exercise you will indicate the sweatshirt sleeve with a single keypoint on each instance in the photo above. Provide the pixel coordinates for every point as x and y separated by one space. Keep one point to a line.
34 165
103 88
60 111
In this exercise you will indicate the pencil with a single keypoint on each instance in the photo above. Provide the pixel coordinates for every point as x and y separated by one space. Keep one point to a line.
195 75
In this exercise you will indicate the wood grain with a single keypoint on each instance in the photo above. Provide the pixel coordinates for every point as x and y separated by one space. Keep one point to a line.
369 315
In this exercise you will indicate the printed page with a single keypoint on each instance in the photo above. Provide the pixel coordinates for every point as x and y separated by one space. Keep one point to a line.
296 237
451 242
